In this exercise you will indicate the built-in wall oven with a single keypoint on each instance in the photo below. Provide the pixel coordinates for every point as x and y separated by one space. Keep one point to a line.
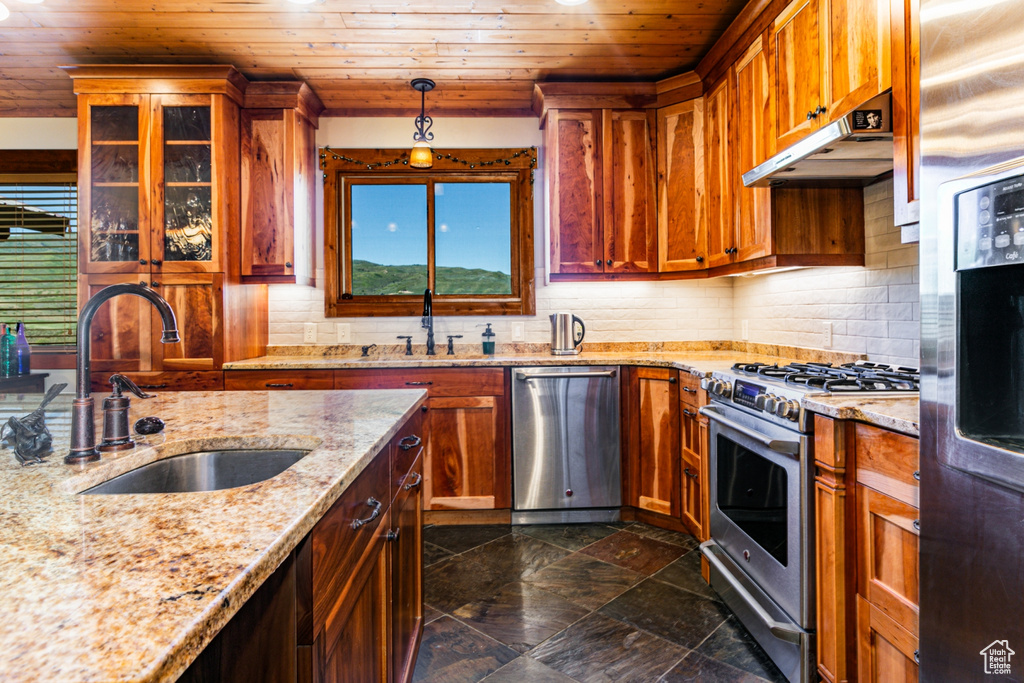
761 481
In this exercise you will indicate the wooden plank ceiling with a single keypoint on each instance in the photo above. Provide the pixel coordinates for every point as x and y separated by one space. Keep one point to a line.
359 55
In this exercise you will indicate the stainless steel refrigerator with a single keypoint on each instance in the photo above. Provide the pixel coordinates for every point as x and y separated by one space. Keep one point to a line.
972 340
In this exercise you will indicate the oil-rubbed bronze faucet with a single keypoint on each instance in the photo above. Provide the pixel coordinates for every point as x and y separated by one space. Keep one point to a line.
83 427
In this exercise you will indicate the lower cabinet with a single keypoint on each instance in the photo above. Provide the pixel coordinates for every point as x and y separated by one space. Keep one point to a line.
656 471
693 437
867 527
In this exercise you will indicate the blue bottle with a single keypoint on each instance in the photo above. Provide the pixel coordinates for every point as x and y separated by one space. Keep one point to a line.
22 363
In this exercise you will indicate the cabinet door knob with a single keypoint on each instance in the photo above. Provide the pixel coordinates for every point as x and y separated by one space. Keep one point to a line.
156 262
700 259
287 264
142 261
393 534
917 525
810 115
819 110
142 282
154 284
597 262
672 380
608 262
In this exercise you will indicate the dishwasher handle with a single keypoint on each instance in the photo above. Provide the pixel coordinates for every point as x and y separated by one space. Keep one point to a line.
777 445
524 376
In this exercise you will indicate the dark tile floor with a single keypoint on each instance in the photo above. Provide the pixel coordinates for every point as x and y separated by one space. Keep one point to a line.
583 602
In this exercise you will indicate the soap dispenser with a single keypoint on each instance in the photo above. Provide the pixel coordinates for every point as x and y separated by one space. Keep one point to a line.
488 340
115 415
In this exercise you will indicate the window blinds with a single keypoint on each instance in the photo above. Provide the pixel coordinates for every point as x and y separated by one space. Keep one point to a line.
39 257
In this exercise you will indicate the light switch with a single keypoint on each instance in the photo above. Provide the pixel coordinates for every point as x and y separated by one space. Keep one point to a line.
309 333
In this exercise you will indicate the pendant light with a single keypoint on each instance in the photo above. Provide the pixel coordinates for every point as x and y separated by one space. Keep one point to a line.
421 155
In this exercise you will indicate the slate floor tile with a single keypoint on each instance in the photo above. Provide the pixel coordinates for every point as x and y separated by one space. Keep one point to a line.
430 614
433 554
452 583
599 648
515 556
685 573
732 644
520 615
629 550
452 652
459 539
568 536
585 580
696 668
527 670
664 535
671 613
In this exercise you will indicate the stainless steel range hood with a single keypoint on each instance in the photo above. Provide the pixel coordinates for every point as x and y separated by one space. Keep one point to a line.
857 147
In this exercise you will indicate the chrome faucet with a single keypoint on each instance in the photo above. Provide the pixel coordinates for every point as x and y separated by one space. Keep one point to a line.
83 427
427 321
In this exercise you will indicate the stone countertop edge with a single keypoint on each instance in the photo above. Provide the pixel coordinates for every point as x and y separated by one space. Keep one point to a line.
895 413
134 587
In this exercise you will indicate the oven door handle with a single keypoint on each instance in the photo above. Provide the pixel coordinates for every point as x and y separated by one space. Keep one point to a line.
777 445
779 629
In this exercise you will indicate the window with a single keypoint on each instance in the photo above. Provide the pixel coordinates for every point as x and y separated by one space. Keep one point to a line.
463 229
38 245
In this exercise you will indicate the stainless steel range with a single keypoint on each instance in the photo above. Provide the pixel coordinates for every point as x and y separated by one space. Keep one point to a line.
761 550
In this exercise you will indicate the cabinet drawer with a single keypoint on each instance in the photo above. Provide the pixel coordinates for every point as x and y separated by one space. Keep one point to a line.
437 381
407 445
887 462
689 385
262 380
337 546
887 542
165 381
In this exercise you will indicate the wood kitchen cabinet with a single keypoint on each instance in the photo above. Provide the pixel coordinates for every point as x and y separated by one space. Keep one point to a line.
752 144
655 470
693 452
866 494
906 105
159 168
719 171
467 460
279 168
682 228
827 57
601 191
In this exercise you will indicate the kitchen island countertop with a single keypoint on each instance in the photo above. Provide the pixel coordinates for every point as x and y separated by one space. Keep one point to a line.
133 587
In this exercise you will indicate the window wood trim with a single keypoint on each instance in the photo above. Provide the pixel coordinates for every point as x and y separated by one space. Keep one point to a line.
340 165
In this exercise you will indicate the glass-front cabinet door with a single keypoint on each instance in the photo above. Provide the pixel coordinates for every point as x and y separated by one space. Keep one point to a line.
185 236
114 208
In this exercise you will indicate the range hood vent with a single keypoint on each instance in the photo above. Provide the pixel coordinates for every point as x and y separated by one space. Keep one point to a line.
857 147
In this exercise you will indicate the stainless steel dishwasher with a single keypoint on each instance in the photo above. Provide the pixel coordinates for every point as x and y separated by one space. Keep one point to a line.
565 445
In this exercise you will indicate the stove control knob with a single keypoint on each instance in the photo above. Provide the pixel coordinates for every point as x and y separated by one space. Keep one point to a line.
788 409
760 400
723 388
770 401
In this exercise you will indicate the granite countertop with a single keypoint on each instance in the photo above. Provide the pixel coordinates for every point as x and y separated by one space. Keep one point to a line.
894 412
133 587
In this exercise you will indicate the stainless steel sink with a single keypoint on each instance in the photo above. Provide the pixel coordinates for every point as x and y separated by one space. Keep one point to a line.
203 471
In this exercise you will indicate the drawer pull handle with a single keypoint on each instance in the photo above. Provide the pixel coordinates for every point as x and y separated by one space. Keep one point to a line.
414 484
411 441
690 390
917 475
687 472
917 525
917 656
278 385
152 386
689 413
418 384
393 534
376 505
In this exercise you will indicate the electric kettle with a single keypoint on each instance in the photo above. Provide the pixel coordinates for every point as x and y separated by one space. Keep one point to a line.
566 334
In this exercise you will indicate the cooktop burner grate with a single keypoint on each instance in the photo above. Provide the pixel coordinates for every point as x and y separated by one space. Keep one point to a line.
849 377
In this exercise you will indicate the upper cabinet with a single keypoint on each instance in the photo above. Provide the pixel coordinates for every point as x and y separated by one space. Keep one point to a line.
601 191
719 174
828 56
682 227
158 166
906 100
279 169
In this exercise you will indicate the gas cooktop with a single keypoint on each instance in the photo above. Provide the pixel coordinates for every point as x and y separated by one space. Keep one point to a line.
774 392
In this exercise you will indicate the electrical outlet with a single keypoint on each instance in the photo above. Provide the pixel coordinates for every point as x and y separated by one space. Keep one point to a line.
827 337
744 330
518 331
309 333
344 333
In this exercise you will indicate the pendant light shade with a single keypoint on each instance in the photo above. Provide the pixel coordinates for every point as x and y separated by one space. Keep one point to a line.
4 12
421 155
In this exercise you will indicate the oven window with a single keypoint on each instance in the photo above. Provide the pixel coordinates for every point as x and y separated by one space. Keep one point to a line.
752 493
